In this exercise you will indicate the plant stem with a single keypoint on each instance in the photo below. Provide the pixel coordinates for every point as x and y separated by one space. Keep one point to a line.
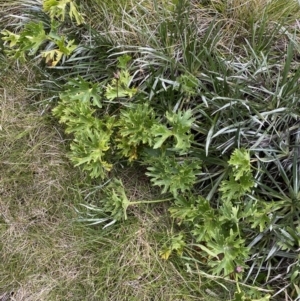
148 202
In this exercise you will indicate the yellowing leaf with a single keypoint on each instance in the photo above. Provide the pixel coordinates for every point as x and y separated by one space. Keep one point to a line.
57 9
119 87
52 57
75 14
10 37
165 254
28 42
176 243
35 34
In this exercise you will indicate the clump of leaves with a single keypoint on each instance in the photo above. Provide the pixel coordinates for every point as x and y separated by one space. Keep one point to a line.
173 173
83 91
216 230
135 129
30 40
240 180
57 10
92 136
215 235
188 83
89 149
192 105
180 127
119 86
175 243
54 56
33 36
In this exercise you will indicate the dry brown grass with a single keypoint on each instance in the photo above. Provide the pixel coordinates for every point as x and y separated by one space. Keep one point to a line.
33 194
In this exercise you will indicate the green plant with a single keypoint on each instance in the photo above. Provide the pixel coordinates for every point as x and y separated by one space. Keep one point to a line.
135 129
30 40
217 231
32 37
120 84
46 253
180 123
240 180
92 137
188 85
114 205
57 9
176 243
171 173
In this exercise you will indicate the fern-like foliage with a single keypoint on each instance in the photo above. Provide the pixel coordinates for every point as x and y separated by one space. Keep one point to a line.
92 136
214 231
89 150
135 125
30 40
119 86
188 83
180 128
240 162
240 178
173 174
227 251
115 201
86 92
58 8
76 115
27 41
234 190
197 214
